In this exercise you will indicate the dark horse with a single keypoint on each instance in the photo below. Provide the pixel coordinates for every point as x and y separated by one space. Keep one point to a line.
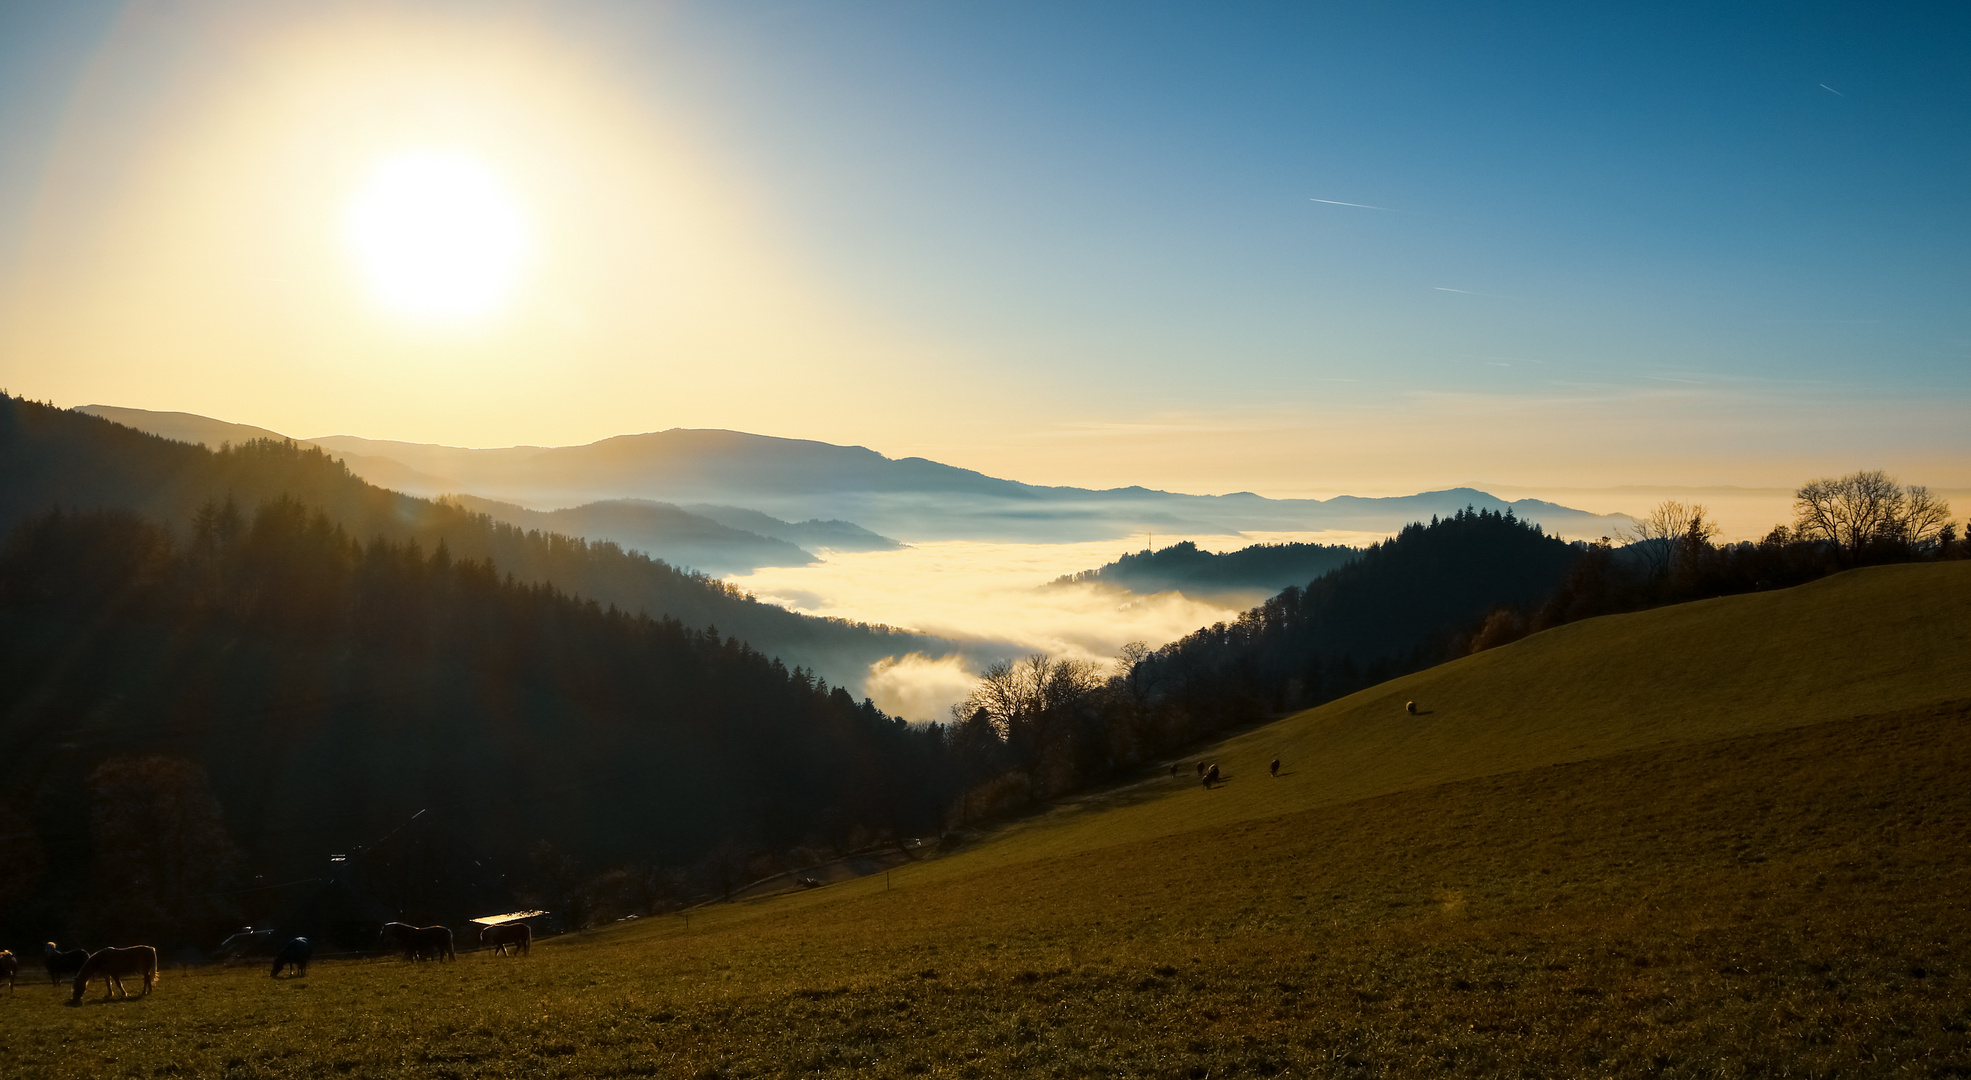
63 963
420 942
295 954
516 934
1211 775
9 964
111 965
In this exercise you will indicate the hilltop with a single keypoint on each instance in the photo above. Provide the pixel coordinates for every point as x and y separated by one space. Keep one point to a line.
1184 567
1721 838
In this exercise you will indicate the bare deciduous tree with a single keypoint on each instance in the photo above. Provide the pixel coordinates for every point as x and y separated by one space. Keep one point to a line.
1866 509
1925 517
1669 533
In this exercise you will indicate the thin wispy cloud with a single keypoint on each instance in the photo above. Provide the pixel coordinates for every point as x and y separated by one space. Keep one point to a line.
1832 90
1470 292
1358 205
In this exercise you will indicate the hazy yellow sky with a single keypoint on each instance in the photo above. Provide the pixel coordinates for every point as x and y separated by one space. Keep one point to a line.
213 226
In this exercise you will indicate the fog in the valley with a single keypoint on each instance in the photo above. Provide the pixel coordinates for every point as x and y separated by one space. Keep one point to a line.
998 600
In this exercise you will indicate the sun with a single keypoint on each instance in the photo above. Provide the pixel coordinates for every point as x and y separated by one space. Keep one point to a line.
437 235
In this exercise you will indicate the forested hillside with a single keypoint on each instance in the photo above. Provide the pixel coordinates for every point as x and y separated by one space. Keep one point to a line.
1044 727
325 690
1187 568
56 458
1392 610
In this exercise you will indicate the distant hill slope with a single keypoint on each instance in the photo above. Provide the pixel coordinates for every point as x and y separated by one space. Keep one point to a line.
812 533
213 434
912 498
1397 606
1870 641
1191 570
51 457
659 530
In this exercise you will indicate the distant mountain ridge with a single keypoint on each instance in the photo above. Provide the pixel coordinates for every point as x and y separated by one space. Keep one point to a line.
910 498
812 533
660 530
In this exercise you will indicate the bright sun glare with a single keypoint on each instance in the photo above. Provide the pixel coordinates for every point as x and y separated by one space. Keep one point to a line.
437 235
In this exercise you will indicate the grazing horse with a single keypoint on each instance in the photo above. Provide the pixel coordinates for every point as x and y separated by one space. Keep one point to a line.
1410 707
62 963
1274 768
420 942
1201 768
9 965
1211 775
111 965
295 954
518 935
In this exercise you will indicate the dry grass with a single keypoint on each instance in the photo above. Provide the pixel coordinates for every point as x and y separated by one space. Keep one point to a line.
1778 904
1770 902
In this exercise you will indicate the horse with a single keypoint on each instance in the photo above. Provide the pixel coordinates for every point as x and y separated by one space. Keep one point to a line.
518 935
295 954
9 964
1211 775
420 942
62 963
111 965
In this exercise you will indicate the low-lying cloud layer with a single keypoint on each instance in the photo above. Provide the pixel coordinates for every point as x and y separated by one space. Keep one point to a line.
997 601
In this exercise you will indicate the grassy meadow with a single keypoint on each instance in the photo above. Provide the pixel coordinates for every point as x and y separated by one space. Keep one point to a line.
1724 839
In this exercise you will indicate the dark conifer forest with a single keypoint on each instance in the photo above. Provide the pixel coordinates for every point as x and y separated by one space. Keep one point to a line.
328 690
1187 568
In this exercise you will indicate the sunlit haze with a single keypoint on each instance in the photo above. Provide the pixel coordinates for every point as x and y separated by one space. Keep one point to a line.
436 235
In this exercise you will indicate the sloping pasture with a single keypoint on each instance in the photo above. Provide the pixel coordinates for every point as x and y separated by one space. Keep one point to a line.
1726 839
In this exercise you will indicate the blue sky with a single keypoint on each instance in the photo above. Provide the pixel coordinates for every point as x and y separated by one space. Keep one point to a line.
1743 228
1778 193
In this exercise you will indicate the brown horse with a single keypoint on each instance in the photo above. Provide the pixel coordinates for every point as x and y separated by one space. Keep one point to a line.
420 942
111 965
516 934
9 966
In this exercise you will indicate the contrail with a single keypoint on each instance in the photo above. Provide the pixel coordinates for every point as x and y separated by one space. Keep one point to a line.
1832 90
1363 205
